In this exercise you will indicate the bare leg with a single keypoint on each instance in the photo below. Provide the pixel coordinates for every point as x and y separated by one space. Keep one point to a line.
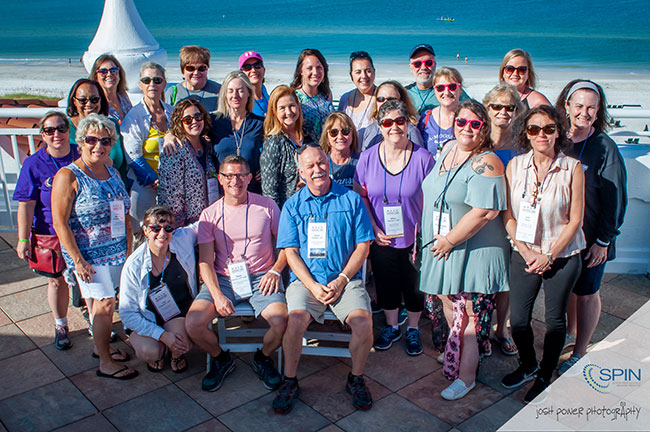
469 349
292 340
146 349
360 321
58 296
276 315
102 325
571 316
588 308
413 319
391 316
447 309
503 314
198 318
177 325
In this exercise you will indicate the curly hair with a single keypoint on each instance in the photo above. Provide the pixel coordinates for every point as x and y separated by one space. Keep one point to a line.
177 128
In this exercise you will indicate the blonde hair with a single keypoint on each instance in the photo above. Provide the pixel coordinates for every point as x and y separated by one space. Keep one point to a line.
222 104
347 122
96 122
450 73
273 126
532 78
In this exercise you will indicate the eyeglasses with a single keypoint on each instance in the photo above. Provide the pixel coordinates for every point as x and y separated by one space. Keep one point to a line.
156 228
188 119
511 69
534 130
248 67
49 131
335 132
240 176
451 86
383 99
400 121
113 71
84 101
190 68
474 124
92 140
156 80
418 63
499 107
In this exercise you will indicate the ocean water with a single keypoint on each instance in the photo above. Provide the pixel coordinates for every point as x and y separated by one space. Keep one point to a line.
598 34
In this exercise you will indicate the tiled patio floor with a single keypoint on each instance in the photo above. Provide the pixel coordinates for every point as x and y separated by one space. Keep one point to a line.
42 388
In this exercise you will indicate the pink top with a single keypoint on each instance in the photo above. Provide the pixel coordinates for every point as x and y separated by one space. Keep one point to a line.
263 220
554 200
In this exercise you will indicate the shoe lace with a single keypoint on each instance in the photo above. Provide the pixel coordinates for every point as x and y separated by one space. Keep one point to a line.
413 336
360 388
386 332
286 390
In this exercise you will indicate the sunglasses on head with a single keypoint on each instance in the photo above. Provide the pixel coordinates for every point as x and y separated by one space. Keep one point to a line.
534 130
257 66
499 107
190 68
383 99
84 101
156 80
335 132
188 119
400 121
451 86
474 124
156 228
113 71
49 131
92 140
240 176
418 63
358 54
511 69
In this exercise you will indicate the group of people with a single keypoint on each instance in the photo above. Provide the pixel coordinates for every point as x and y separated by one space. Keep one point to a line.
205 195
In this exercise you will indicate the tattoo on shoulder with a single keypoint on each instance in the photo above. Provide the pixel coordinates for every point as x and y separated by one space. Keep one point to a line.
480 165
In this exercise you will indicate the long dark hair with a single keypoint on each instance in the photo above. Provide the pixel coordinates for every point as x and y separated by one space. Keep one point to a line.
121 86
72 108
324 86
603 119
521 123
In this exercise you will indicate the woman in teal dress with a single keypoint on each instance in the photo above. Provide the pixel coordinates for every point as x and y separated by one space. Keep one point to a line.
465 255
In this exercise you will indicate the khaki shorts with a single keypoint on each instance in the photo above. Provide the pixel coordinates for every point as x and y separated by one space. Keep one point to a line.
354 297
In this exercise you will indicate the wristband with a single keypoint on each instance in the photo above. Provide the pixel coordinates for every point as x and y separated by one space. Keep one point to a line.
602 243
275 273
345 276
23 240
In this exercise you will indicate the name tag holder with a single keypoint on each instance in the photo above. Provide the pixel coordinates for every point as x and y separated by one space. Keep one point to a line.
118 223
317 239
393 221
213 190
162 299
240 279
527 219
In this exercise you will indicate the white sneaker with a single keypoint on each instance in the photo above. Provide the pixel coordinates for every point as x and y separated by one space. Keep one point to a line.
456 390
441 358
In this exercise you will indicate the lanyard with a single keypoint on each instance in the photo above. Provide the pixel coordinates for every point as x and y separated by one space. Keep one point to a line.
313 101
295 146
223 228
423 100
448 180
162 273
101 184
238 143
401 176
541 186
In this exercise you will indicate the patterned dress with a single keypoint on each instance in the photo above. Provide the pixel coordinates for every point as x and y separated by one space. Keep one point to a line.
279 168
314 112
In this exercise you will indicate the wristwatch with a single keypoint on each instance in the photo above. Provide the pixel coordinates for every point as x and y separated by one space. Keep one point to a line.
550 258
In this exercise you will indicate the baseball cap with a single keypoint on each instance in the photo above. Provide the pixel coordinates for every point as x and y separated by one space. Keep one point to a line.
425 47
249 55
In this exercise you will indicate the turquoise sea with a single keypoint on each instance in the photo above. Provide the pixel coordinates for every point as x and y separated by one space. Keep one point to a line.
599 33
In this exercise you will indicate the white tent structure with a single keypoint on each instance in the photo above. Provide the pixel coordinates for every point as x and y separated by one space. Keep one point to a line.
122 33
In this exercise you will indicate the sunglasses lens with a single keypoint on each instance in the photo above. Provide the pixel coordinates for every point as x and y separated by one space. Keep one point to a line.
475 124
90 140
334 133
387 123
461 122
509 69
533 130
345 131
417 64
169 229
400 121
105 141
428 63
94 99
157 80
453 87
440 88
549 129
522 69
187 120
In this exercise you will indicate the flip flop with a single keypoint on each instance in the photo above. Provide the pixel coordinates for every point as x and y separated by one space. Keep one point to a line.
124 359
132 375
508 346
155 369
175 361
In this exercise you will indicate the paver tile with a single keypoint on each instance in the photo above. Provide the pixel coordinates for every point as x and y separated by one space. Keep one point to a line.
213 425
13 341
26 371
196 361
78 358
25 304
639 284
331 428
493 417
94 423
19 279
4 319
493 369
620 302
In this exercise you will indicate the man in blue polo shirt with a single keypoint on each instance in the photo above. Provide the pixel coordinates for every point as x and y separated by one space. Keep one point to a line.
326 234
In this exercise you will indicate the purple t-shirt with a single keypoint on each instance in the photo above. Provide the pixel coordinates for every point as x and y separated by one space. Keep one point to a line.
35 183
370 173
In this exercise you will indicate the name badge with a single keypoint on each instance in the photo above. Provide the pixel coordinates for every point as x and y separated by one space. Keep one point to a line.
164 302
393 221
240 280
585 167
118 224
213 190
441 223
317 239
527 222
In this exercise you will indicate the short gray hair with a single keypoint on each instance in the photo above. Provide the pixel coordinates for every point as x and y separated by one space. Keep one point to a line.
153 65
392 105
502 90
96 122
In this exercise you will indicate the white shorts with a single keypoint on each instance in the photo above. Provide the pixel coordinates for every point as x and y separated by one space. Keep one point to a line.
105 280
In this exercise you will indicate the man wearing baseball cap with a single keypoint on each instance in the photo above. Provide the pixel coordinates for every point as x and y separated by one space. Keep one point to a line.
252 65
423 67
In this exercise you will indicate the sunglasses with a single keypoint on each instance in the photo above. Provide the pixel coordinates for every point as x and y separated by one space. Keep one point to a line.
383 99
451 86
257 66
113 71
84 101
499 107
156 228
511 69
91 140
49 131
400 121
188 119
156 80
534 130
240 176
335 132
359 54
190 68
474 124
418 63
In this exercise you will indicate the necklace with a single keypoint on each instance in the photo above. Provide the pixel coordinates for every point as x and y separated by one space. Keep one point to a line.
365 111
240 141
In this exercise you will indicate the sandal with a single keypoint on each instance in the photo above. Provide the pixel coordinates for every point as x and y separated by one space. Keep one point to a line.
155 366
179 364
122 357
508 346
133 374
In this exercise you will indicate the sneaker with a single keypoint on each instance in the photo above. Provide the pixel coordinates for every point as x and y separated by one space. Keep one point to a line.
441 358
267 372
565 366
289 391
456 390
361 397
539 389
61 339
402 315
218 371
413 344
387 336
375 307
520 376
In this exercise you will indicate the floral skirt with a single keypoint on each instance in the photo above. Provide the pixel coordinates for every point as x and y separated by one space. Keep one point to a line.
449 340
